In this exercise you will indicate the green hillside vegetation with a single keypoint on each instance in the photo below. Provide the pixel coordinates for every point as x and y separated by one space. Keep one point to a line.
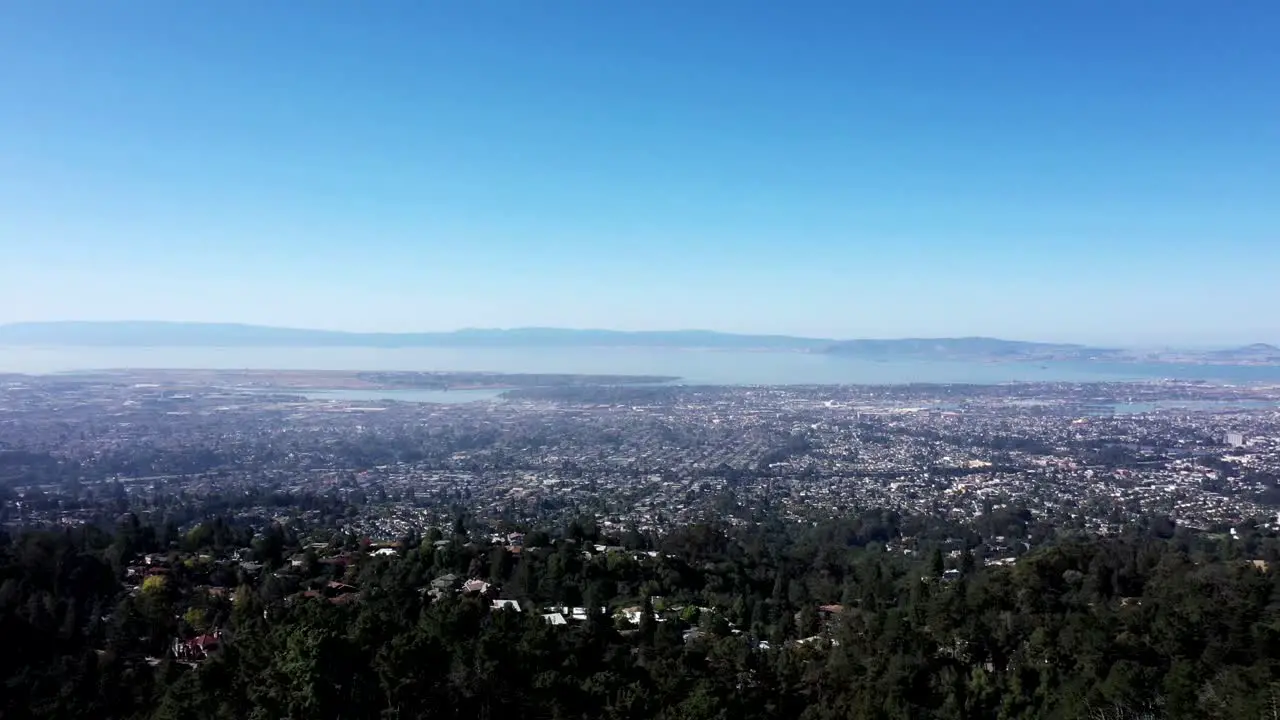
782 621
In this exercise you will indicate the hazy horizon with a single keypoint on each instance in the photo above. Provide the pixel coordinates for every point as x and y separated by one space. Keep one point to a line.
1080 173
661 331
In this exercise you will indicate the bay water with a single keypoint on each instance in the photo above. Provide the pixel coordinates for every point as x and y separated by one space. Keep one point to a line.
713 367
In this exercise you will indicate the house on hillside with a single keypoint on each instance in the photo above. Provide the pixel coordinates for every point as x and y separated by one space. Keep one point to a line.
475 586
198 648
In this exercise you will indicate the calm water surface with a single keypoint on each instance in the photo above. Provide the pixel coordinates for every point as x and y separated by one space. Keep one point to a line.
1191 405
692 366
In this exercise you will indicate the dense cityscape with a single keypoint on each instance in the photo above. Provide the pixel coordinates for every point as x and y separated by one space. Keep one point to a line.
642 457
290 544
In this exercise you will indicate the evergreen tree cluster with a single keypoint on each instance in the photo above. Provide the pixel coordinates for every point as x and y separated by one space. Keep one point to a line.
768 621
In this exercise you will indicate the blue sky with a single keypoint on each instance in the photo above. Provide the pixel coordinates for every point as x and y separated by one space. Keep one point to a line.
1092 171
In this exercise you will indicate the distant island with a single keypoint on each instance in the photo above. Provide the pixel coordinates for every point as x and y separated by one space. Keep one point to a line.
972 349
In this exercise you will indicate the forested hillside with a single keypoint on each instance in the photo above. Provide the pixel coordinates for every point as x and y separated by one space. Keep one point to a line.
781 621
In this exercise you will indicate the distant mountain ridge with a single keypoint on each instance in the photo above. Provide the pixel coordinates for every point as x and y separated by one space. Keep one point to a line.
969 348
180 334
158 334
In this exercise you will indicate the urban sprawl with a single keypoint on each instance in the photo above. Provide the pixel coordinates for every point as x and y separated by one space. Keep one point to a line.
641 457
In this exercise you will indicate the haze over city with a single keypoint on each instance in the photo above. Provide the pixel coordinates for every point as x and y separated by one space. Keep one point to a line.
639 360
1073 172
